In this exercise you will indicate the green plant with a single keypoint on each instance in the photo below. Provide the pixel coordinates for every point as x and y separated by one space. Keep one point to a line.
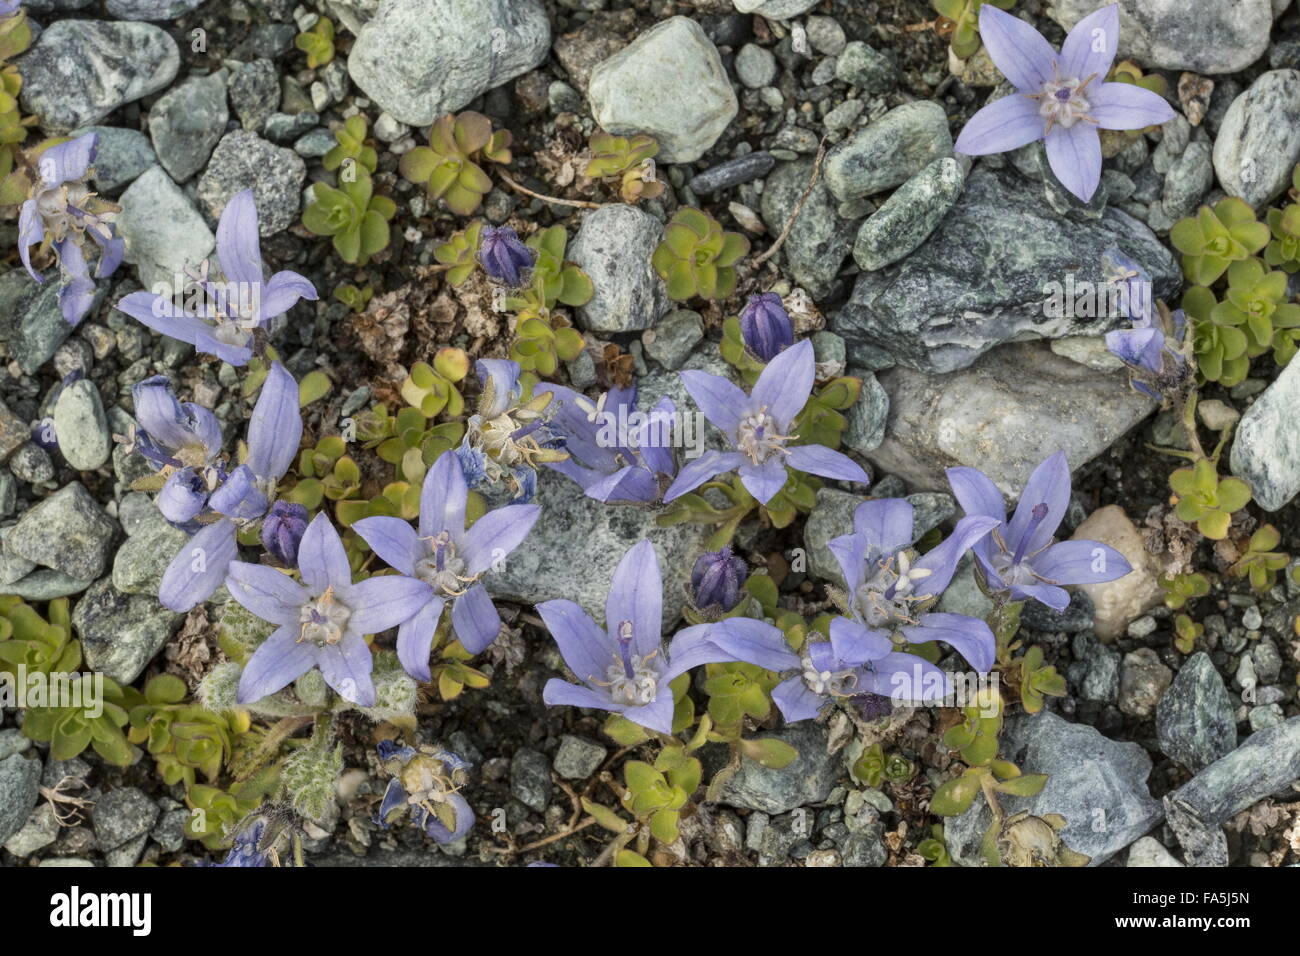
628 158
449 166
432 388
185 738
351 140
737 691
1206 500
1283 250
1186 631
460 253
965 16
215 813
327 471
820 422
1038 680
1256 301
1220 347
356 219
69 729
317 43
33 643
1260 562
873 767
354 298
696 257
1215 238
542 338
1181 588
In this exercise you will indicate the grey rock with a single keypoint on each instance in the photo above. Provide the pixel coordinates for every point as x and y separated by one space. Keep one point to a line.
1149 851
613 246
1175 35
243 159
907 217
1014 407
14 432
1266 447
42 829
674 338
826 35
975 282
68 532
1190 178
578 757
79 71
1258 144
866 68
120 156
164 233
151 9
81 427
255 92
120 633
1098 785
1101 679
122 815
530 779
32 464
1263 765
20 781
36 328
1194 719
12 567
451 52
140 562
775 9
186 123
577 544
45 584
808 780
13 742
315 144
889 151
755 66
285 128
1143 680
668 82
820 240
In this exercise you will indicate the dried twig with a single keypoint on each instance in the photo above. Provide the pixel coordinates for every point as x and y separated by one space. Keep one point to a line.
798 207
577 203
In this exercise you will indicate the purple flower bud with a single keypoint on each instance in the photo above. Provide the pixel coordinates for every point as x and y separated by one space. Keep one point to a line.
182 497
504 257
282 530
765 326
716 580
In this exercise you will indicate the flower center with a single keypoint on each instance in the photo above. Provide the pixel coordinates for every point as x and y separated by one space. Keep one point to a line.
441 568
888 597
759 437
633 681
1062 102
323 620
825 683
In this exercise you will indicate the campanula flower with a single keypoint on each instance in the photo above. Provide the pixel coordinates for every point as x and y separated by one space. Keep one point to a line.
9 7
181 441
447 561
765 326
507 439
242 498
282 531
758 425
1062 99
426 782
322 622
1144 346
504 257
716 581
221 319
622 666
62 210
887 606
616 454
1018 557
